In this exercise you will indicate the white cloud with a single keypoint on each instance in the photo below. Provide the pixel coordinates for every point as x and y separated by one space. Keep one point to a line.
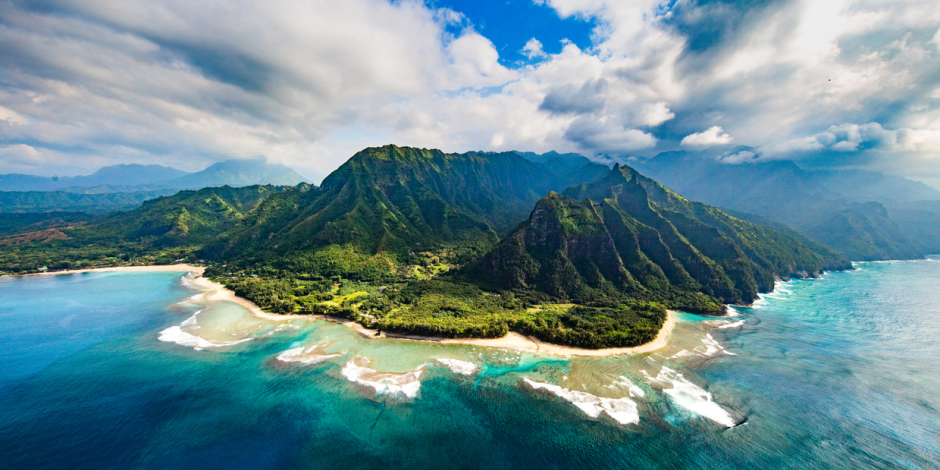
743 156
11 117
707 138
307 83
654 114
533 49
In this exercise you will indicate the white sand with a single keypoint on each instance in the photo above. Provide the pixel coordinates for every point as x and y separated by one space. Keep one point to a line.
513 340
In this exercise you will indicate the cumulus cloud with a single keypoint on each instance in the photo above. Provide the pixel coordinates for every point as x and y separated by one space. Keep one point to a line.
707 138
307 83
533 49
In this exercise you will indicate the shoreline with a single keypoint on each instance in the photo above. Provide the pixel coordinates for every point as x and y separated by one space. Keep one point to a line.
217 292
160 267
512 340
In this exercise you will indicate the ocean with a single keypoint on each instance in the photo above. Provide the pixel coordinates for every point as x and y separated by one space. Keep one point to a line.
129 370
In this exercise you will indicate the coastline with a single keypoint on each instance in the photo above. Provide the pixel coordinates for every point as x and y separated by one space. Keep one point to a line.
515 340
512 340
163 267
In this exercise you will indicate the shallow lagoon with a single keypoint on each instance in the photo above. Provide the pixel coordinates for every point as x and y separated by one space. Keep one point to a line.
837 373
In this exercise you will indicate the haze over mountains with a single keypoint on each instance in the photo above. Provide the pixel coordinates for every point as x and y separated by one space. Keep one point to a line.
862 215
135 177
124 186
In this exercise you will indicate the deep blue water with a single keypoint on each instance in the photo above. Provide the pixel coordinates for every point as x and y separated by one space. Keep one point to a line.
840 372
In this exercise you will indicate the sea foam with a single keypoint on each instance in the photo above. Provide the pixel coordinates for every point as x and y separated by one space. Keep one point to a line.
460 367
175 334
305 355
621 410
736 324
634 390
690 396
384 383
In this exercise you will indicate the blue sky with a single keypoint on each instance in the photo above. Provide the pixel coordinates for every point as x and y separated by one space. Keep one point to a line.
511 24
835 84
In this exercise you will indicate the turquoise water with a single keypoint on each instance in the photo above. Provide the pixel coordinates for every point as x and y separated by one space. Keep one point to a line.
134 370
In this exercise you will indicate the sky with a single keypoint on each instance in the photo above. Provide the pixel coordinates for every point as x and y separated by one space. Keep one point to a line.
828 84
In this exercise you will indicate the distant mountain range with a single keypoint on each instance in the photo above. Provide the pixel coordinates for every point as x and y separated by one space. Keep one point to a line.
121 187
862 215
134 178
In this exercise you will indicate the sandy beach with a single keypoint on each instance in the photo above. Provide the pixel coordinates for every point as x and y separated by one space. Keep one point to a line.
515 340
166 267
218 292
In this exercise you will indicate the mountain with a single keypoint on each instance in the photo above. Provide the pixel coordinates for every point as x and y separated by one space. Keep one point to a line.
116 175
161 230
865 232
571 168
920 220
43 201
137 178
626 236
384 205
238 173
866 186
813 203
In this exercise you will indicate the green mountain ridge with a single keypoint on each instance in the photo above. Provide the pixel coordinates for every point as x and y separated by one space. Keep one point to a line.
386 203
628 236
835 208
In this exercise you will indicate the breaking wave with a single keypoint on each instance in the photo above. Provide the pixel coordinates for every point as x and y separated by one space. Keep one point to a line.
305 355
690 396
460 367
384 383
621 410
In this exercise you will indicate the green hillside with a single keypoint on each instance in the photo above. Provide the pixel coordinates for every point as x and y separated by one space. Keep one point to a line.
865 232
41 201
161 230
626 236
386 208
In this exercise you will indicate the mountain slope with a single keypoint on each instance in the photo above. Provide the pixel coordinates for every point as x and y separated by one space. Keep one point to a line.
571 168
628 236
238 173
810 202
138 178
387 203
116 175
865 232
41 201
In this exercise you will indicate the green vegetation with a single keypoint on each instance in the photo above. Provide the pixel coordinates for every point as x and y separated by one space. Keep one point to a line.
642 241
161 231
415 241
39 201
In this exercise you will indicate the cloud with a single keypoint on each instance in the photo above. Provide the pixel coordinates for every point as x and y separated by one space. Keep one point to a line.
533 49
11 117
608 137
736 158
590 97
307 83
654 114
707 138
